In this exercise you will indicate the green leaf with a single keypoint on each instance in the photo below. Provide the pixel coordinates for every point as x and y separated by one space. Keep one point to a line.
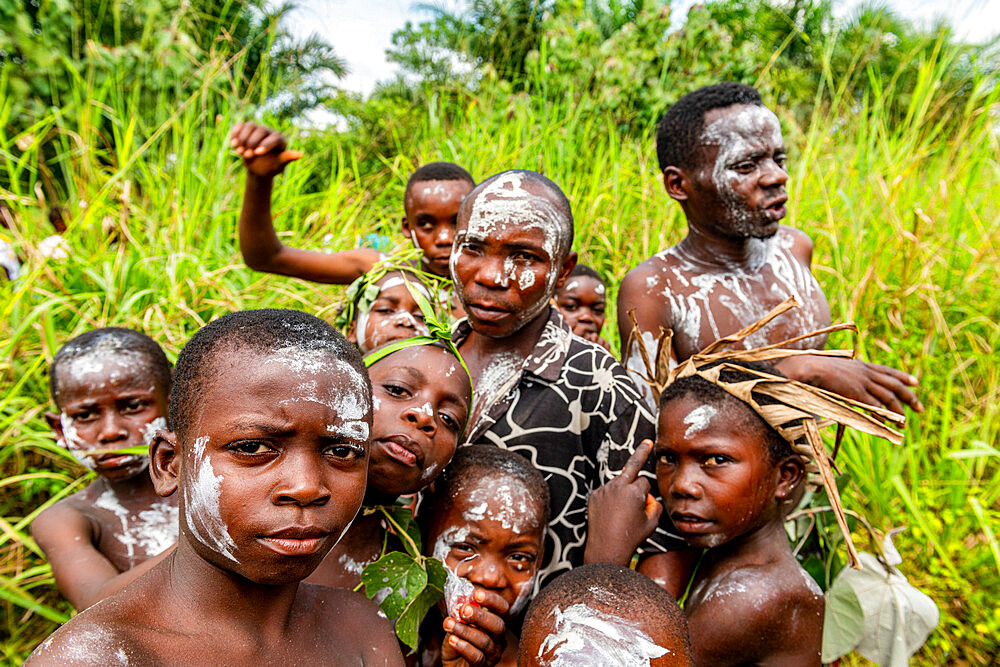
403 518
844 621
393 580
408 623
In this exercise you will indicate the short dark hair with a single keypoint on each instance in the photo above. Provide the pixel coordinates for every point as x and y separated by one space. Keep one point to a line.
113 340
473 463
584 270
559 200
259 331
705 392
679 132
437 171
615 590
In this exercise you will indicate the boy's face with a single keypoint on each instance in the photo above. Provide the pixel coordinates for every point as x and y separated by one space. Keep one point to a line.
490 537
582 301
275 463
716 480
108 402
739 185
393 315
421 396
507 263
431 212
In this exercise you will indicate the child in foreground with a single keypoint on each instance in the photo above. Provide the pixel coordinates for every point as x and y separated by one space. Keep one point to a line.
270 417
110 387
430 203
601 614
582 301
485 520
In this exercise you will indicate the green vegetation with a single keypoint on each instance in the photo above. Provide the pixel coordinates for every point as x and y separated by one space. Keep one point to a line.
895 165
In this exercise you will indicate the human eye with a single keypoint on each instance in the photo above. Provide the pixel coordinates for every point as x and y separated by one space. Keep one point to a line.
525 256
425 224
135 405
667 458
713 460
449 421
463 549
599 308
568 306
522 561
745 166
470 247
781 160
346 451
84 415
396 390
251 448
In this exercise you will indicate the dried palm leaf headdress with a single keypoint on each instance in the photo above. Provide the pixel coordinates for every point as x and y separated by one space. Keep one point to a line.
798 410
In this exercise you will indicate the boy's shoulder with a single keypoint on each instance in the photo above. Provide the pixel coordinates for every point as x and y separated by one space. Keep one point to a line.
103 634
75 512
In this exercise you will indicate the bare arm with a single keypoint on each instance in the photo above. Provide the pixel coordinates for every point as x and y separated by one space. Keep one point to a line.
83 574
651 313
264 156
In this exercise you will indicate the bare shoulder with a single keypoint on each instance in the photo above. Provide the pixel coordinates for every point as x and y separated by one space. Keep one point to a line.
349 619
798 243
67 517
97 636
642 288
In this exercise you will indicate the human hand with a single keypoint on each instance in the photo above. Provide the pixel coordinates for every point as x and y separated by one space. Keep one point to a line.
479 636
594 337
622 513
262 149
865 382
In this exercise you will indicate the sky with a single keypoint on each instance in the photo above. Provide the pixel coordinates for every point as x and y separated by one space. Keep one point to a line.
361 30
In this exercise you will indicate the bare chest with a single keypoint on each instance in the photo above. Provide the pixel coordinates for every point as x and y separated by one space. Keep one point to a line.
129 534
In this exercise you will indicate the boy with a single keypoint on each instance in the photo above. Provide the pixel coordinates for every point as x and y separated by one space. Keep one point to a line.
485 520
581 302
604 614
430 203
723 159
110 387
562 402
270 418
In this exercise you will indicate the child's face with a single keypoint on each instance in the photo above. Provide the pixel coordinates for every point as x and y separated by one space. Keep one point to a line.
490 537
506 264
108 402
421 397
717 481
275 464
581 301
740 183
431 212
394 315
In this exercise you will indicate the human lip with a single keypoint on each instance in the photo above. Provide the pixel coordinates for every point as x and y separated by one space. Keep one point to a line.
487 312
690 523
296 540
776 208
113 461
403 449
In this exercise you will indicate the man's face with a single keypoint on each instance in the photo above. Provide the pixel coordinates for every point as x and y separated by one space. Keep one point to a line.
275 463
431 212
508 256
739 185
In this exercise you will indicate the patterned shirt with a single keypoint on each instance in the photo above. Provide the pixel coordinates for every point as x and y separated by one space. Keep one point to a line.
572 410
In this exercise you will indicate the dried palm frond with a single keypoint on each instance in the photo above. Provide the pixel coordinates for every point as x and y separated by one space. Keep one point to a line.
799 410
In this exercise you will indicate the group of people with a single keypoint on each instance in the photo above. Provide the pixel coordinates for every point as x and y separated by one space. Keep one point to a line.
570 502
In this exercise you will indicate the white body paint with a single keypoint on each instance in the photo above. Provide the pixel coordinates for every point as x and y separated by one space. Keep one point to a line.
495 381
585 636
201 505
698 419
151 530
353 566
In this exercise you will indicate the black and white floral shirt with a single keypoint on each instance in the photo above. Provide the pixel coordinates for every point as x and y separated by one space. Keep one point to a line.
572 410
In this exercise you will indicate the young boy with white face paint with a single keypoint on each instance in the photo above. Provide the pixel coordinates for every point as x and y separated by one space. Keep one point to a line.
270 417
110 387
722 157
561 401
430 204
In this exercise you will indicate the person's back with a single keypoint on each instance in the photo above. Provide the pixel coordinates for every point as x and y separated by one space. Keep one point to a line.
270 417
722 157
110 386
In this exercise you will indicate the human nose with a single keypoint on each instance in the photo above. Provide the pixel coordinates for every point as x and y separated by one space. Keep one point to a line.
302 482
491 273
405 320
445 236
485 571
586 315
684 482
112 427
422 417
773 174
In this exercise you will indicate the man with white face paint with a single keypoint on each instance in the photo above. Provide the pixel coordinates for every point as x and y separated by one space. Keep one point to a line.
722 157
559 400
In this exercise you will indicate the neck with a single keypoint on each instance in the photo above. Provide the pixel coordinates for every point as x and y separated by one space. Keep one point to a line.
722 251
196 584
522 341
757 547
141 485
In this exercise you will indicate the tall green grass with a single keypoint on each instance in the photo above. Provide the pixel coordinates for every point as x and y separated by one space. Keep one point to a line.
905 218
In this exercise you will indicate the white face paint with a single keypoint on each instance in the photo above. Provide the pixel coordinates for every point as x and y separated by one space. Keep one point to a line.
74 443
150 429
382 330
108 362
503 499
201 504
457 590
585 636
698 419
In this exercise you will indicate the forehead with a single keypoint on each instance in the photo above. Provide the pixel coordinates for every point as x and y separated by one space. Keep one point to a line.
394 285
687 421
97 371
437 193
425 363
740 122
578 285
509 207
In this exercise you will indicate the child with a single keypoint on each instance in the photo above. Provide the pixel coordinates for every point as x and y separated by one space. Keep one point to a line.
581 302
485 520
602 614
723 159
562 402
391 314
726 477
110 386
270 417
430 202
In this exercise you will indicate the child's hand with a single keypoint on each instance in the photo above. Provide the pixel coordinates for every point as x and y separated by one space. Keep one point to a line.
862 381
622 513
596 338
262 149
479 636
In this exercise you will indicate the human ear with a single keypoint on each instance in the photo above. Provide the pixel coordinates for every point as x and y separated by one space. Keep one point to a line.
566 269
675 182
352 333
56 425
405 226
164 461
790 473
